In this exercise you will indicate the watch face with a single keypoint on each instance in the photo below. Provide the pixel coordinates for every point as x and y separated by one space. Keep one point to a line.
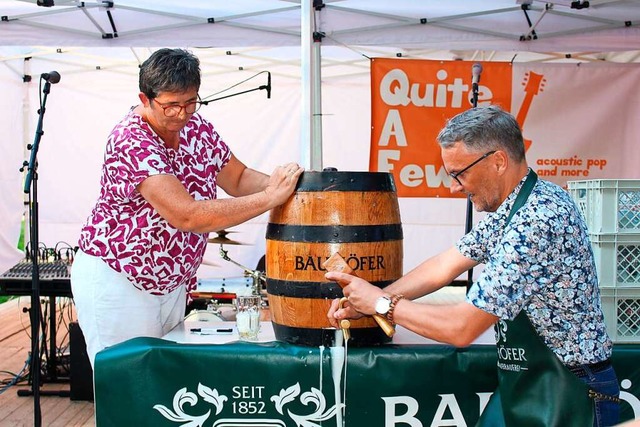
382 305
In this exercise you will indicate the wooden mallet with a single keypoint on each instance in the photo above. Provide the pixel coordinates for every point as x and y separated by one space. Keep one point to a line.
336 263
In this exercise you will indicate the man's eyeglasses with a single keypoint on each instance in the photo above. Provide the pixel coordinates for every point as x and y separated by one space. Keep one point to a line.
455 175
172 110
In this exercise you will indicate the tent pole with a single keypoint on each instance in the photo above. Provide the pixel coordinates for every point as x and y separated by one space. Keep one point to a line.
316 104
311 124
305 76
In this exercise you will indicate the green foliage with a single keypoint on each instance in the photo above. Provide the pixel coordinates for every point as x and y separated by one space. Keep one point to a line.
21 239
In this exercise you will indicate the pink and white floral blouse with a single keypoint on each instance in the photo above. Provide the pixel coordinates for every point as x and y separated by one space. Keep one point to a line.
124 229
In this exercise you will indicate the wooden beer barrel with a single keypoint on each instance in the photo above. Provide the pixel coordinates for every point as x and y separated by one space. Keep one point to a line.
353 213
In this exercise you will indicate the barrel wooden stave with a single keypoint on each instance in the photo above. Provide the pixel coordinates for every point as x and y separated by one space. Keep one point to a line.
302 261
337 208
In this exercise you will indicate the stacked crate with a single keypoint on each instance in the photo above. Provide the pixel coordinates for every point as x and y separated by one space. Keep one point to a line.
611 208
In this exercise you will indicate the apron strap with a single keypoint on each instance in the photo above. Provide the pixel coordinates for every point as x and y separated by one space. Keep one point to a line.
523 195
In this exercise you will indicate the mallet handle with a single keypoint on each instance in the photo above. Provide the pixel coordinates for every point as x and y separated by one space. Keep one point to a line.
337 263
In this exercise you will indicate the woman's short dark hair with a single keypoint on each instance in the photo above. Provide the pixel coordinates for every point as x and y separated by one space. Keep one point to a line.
483 129
169 70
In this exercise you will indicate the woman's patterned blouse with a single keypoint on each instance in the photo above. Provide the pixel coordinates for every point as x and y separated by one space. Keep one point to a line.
125 230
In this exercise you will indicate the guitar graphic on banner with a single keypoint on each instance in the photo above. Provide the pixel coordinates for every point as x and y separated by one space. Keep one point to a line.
533 84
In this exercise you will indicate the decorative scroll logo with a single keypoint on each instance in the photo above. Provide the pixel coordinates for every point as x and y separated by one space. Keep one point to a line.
183 397
314 398
501 331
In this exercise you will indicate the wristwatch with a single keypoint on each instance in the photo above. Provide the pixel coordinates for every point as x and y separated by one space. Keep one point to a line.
383 304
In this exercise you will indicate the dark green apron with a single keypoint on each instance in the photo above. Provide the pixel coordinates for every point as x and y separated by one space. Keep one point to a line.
534 387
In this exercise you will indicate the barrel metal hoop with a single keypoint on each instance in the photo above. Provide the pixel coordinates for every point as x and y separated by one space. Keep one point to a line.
334 233
314 290
360 337
346 181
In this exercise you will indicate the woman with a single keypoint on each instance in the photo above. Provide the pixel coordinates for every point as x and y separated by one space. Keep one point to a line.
144 240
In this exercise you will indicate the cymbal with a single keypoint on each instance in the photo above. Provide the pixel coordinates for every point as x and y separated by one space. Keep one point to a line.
223 233
225 241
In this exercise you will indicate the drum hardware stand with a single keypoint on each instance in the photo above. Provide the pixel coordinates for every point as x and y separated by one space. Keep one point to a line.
257 276
215 308
214 305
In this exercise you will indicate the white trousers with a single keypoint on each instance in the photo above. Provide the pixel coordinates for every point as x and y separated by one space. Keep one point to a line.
111 310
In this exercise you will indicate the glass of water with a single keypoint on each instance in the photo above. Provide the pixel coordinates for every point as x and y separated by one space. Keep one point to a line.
248 316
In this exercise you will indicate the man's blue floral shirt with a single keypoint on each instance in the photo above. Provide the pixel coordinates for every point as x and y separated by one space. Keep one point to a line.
541 262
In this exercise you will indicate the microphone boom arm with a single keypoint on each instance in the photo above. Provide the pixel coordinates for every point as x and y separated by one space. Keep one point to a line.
262 87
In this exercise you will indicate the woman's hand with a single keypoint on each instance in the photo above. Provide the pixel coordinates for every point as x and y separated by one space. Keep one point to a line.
282 182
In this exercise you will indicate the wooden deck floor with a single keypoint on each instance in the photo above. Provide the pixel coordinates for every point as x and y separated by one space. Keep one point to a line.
15 346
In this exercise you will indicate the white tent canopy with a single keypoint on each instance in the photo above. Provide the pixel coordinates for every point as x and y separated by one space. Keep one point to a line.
97 47
504 25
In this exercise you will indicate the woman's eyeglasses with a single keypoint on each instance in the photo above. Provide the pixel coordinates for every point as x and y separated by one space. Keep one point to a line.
172 110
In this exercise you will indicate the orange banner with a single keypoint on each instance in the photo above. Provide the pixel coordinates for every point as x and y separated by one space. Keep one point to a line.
411 101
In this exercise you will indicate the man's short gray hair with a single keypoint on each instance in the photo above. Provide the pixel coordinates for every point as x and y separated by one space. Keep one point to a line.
483 129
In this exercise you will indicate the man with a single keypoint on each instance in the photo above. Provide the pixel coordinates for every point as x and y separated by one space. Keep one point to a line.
538 287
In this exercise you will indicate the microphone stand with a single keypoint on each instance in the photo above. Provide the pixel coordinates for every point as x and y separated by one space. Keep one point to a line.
31 188
469 217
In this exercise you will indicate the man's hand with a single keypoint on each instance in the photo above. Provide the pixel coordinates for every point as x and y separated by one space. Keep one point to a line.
361 296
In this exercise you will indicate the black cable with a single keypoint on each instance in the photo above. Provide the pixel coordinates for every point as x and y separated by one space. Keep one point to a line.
67 248
65 315
44 354
19 377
